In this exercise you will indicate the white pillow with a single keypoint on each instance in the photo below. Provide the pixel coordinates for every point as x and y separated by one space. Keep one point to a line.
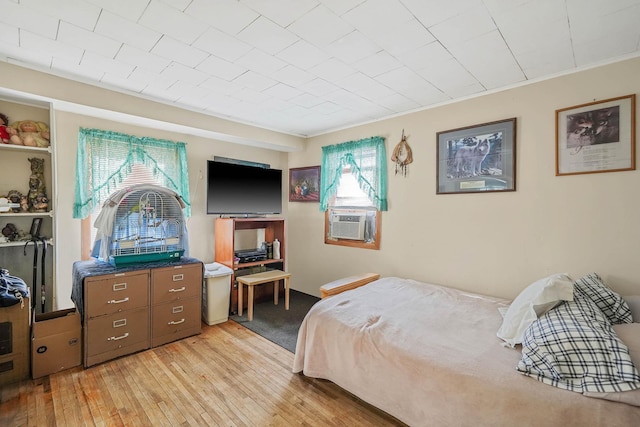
634 305
535 300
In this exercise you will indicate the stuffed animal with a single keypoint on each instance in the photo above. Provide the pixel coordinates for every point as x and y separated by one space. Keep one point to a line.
37 196
31 133
5 136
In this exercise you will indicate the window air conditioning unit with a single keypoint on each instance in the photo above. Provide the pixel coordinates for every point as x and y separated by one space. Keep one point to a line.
348 226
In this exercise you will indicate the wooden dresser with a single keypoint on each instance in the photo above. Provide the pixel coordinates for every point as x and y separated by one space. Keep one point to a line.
132 308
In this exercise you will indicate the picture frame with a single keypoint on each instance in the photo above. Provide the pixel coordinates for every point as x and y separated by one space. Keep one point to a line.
596 137
477 159
304 184
36 223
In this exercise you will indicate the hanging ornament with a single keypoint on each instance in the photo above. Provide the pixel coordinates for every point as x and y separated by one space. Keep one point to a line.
402 155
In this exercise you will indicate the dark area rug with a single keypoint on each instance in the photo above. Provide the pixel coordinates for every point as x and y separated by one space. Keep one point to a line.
277 324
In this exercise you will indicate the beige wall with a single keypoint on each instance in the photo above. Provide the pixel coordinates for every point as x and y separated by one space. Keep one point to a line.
489 243
495 243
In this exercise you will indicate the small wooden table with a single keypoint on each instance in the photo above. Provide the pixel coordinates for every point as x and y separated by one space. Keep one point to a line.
252 280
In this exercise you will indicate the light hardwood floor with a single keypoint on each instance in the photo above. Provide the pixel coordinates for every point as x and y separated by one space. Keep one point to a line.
226 376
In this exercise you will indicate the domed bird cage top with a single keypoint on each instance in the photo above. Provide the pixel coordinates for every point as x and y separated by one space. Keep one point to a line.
142 223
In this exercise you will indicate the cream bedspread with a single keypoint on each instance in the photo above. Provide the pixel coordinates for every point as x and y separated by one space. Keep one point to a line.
429 356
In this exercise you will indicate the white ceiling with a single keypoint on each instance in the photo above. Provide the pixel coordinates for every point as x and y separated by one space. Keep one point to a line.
306 67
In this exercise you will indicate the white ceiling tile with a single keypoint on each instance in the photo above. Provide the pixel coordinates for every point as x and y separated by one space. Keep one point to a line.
267 36
318 87
179 52
123 83
307 100
433 12
26 58
77 12
313 27
372 16
260 62
220 86
364 86
180 5
254 81
292 76
140 75
218 67
340 7
107 65
282 12
141 58
72 70
352 47
230 16
303 54
130 9
9 35
79 37
163 18
410 84
221 44
176 71
446 75
397 103
28 19
377 64
472 23
283 91
325 63
408 37
46 46
332 70
126 31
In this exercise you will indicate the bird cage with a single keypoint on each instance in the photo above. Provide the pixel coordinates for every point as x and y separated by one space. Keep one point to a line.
141 224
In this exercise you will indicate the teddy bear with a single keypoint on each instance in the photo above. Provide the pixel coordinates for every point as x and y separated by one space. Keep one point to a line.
5 130
30 133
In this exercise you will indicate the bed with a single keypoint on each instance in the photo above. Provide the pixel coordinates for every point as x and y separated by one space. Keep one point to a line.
429 355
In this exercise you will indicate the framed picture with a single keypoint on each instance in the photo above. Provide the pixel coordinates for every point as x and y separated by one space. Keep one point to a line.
476 159
304 184
35 227
596 137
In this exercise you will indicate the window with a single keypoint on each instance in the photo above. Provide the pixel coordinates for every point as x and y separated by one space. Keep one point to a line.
353 192
109 161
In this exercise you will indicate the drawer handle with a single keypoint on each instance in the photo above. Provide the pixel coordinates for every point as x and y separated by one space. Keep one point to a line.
176 323
120 286
126 334
119 323
118 301
178 309
178 277
178 290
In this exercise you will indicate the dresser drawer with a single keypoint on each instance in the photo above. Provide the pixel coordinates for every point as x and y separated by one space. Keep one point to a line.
119 330
175 320
176 283
116 293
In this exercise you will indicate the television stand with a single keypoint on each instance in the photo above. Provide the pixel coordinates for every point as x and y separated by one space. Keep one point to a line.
224 244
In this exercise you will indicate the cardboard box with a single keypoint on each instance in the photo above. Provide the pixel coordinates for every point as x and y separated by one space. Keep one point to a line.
14 342
56 342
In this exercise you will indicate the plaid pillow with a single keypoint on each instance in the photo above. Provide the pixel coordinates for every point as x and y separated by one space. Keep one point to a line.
612 305
575 348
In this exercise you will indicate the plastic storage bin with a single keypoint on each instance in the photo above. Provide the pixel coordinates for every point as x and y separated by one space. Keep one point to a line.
216 292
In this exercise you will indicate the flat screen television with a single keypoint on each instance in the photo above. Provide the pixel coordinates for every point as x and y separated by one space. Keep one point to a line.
237 189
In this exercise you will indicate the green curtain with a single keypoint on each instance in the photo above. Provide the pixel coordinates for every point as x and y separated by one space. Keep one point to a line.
368 161
106 158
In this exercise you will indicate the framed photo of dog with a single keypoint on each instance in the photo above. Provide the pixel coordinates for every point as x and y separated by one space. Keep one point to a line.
477 159
596 137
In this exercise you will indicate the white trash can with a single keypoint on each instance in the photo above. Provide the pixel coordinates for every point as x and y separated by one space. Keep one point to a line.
216 292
